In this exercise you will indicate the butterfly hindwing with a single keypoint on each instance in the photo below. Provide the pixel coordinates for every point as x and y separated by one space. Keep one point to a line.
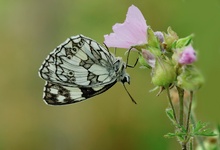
55 94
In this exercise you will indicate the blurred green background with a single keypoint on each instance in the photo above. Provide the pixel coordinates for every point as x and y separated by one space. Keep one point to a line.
31 29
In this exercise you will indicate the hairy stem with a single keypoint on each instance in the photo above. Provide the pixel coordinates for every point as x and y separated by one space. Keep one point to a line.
181 105
181 113
189 110
188 119
171 103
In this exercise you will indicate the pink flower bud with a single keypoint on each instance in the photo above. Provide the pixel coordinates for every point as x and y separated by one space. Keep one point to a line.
187 56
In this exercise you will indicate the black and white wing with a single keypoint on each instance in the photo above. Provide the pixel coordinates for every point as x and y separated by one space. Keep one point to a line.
79 61
56 94
77 69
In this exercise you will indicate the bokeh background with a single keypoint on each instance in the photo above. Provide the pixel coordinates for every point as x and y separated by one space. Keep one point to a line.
30 29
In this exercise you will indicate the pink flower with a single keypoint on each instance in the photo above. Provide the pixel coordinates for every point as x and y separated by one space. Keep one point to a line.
130 33
187 56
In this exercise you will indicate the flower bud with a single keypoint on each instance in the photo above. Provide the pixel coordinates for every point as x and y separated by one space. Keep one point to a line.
185 55
170 38
164 73
147 59
190 78
188 56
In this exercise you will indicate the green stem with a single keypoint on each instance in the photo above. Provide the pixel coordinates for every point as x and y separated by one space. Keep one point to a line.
181 105
189 110
181 112
191 144
171 103
188 117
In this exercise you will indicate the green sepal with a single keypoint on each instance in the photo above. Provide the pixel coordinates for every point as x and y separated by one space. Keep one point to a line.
153 43
183 42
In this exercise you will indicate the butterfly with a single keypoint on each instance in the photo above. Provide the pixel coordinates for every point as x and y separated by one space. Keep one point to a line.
78 69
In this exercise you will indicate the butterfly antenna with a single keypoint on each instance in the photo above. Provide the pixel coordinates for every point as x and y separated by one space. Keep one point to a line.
129 94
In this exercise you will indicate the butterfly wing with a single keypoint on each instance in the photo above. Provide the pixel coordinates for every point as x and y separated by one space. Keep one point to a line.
79 61
77 69
56 94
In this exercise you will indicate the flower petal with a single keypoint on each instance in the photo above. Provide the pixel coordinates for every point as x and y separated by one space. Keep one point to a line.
130 33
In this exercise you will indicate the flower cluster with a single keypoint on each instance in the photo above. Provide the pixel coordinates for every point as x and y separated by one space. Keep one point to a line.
169 57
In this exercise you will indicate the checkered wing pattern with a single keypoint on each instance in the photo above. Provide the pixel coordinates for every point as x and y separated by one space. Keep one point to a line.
78 69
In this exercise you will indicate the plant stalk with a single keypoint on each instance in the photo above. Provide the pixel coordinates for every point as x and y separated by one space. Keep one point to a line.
189 111
188 119
181 105
171 103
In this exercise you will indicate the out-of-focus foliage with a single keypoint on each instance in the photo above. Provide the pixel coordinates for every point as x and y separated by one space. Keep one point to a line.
31 29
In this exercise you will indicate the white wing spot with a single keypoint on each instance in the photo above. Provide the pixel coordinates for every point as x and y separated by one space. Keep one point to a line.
97 88
53 91
61 98
98 70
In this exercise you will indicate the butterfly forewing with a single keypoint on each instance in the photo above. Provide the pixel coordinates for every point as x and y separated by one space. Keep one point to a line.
78 69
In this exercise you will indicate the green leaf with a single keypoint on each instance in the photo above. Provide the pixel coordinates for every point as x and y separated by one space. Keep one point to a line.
178 134
201 129
170 135
170 114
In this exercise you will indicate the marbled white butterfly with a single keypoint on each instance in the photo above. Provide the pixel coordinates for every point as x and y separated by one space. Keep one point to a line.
78 69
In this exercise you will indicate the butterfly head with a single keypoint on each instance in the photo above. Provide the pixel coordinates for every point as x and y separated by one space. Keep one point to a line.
123 76
126 78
